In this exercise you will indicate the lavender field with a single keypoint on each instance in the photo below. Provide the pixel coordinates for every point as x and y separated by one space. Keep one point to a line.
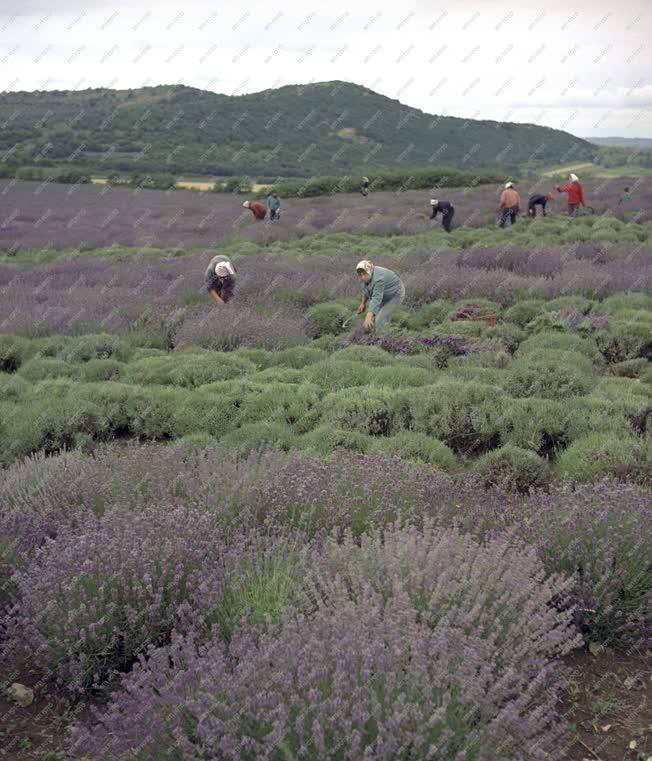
39 215
246 531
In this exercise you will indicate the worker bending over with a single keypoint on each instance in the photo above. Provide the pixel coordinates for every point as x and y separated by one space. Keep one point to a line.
382 294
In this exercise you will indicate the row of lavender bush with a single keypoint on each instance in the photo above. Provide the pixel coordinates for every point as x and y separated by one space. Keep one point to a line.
283 604
164 297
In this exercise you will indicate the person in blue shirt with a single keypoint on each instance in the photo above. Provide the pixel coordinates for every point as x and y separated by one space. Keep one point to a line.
382 294
274 206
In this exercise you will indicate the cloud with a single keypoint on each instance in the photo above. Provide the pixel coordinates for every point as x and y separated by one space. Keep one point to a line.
560 66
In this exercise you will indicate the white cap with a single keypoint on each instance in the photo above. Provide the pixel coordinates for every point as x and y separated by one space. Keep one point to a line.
246 204
365 265
573 177
365 179
222 269
509 184
433 202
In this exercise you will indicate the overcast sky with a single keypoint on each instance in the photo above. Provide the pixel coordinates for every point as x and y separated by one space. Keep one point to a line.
581 67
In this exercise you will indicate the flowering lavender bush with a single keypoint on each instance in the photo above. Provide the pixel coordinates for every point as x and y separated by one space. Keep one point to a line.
600 533
42 495
512 468
99 594
387 674
221 332
407 345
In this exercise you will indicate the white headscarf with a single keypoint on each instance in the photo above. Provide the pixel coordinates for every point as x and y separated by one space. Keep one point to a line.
573 178
433 202
509 185
246 204
366 266
223 269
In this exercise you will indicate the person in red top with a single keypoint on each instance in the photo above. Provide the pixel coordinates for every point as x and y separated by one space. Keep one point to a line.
259 210
575 194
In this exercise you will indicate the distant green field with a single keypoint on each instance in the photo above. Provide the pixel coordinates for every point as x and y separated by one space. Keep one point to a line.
589 169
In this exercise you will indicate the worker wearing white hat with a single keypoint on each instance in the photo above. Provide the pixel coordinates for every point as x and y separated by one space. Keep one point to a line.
447 212
510 204
220 279
382 294
575 194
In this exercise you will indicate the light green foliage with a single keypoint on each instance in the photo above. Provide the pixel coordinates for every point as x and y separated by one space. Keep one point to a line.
550 375
449 412
626 340
428 315
580 303
48 425
326 440
298 357
260 595
101 346
254 436
524 311
371 356
419 447
630 368
599 455
512 468
278 375
41 368
372 411
334 374
295 406
620 301
12 387
101 370
488 375
187 369
327 318
260 357
559 341
543 426
400 376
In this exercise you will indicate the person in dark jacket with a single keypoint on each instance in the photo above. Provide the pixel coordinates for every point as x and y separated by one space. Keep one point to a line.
447 212
538 199
220 279
364 188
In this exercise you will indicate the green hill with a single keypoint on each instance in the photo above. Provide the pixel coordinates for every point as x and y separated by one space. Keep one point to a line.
328 128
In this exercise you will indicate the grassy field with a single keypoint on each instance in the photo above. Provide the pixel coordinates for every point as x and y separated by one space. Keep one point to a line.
589 169
314 540
205 185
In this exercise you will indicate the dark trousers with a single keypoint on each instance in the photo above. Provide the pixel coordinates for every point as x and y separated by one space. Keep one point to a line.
510 213
532 210
274 214
447 219
573 208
